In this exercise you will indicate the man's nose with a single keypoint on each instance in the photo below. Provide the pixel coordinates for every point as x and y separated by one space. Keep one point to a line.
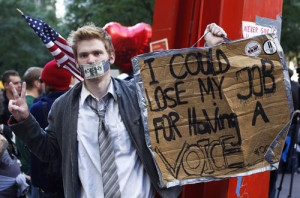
91 59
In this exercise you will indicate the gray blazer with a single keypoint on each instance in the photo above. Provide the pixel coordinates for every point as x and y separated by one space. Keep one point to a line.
61 136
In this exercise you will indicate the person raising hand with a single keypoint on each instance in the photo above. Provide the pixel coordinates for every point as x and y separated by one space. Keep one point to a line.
18 106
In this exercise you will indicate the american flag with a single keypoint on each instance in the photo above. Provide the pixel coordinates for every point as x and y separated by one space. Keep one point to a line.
56 44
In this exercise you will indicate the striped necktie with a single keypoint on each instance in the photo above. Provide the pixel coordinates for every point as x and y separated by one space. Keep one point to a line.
107 158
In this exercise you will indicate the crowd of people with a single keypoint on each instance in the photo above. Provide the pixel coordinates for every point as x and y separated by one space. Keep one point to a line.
22 174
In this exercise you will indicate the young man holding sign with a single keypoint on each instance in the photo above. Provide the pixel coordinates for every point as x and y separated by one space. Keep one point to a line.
96 126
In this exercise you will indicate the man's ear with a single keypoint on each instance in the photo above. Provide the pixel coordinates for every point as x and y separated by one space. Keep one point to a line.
6 85
36 83
112 58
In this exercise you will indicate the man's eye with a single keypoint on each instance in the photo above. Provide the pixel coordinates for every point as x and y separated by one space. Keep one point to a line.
97 54
83 55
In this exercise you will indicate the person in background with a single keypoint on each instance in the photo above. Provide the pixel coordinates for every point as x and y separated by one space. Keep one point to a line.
12 181
34 86
34 89
96 126
6 95
47 176
7 77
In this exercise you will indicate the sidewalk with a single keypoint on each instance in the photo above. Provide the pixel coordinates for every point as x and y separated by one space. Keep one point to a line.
286 186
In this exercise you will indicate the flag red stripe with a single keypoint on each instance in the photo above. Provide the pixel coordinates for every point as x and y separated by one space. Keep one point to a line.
53 48
65 51
65 46
59 56
62 40
73 68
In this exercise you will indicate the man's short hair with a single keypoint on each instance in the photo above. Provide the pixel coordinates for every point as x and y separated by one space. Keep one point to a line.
89 32
5 76
32 74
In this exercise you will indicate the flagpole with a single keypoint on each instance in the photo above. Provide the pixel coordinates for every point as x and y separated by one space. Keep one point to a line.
20 11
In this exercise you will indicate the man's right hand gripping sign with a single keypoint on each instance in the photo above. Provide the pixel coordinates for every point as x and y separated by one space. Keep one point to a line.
18 107
214 34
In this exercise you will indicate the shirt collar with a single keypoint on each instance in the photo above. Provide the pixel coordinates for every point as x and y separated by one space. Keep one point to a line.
85 93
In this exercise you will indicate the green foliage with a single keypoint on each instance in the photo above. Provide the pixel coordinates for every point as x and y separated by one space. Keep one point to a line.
290 26
101 12
20 46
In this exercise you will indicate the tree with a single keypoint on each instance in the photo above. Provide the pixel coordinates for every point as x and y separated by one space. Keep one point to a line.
290 27
101 12
20 47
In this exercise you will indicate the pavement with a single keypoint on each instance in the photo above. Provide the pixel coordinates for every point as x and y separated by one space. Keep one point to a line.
286 186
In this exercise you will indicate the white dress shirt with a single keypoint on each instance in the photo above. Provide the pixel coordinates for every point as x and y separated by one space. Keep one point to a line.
133 180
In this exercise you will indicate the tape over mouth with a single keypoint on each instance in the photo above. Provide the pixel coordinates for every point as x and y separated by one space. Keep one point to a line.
94 70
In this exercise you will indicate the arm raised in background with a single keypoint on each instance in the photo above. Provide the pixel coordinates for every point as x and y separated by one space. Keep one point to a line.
43 144
18 107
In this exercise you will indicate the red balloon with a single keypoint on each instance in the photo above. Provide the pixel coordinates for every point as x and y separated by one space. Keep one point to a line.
129 42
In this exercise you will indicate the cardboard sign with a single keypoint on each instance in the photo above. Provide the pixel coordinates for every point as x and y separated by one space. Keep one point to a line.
211 113
250 29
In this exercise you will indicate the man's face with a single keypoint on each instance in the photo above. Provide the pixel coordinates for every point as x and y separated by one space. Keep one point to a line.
92 51
16 80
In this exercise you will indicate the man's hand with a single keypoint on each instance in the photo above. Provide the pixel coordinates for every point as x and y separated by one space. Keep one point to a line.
18 107
213 34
